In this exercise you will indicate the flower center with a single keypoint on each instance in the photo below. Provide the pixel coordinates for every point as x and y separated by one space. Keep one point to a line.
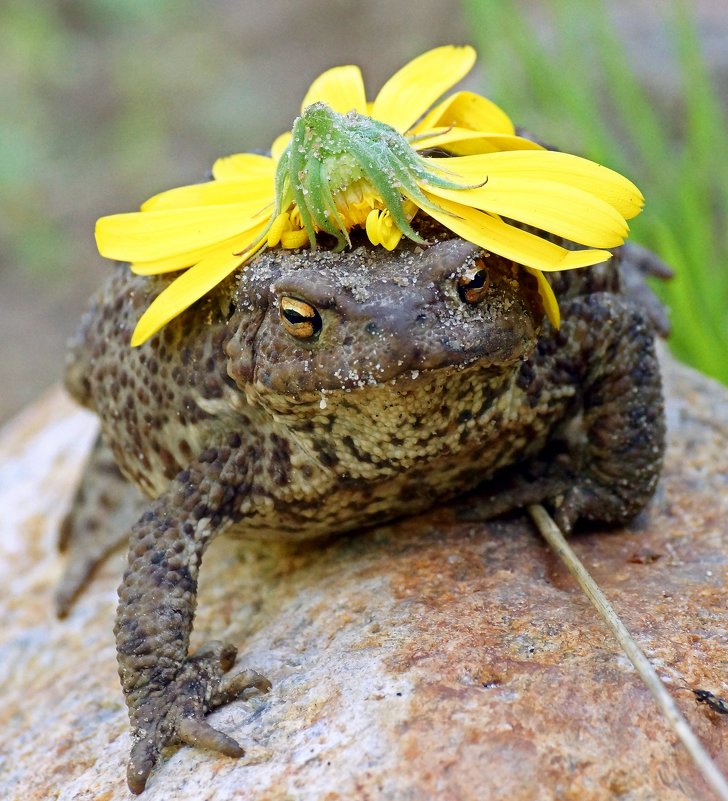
355 200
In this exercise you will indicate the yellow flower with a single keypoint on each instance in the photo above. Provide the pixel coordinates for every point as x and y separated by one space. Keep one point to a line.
351 163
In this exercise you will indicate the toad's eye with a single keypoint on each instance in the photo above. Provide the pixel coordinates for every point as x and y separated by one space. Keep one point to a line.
300 319
473 283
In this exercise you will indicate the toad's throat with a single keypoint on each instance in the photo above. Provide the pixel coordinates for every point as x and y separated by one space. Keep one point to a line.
408 422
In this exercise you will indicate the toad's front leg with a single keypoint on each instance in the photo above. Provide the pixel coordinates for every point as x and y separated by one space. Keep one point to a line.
614 463
168 691
619 462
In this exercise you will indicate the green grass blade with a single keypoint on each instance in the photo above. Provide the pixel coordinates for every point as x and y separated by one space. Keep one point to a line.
579 90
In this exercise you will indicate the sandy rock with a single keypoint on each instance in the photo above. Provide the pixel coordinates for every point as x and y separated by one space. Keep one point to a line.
432 659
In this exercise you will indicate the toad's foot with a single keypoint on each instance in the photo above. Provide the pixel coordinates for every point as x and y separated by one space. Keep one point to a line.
176 712
567 497
513 492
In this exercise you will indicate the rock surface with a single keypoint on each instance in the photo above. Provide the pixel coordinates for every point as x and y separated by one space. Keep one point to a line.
432 659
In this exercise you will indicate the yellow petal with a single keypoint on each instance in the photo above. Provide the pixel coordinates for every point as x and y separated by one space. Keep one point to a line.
189 287
491 144
243 165
506 240
151 235
280 224
253 188
372 226
549 165
390 237
554 207
341 88
410 92
468 110
292 240
464 142
550 304
180 261
280 143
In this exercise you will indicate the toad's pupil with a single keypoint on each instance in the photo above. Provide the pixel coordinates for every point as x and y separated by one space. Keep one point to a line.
295 317
473 287
478 280
300 318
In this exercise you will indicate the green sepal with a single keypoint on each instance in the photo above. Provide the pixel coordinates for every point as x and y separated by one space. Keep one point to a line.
329 151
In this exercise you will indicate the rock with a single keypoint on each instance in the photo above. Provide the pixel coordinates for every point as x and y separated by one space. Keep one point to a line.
431 659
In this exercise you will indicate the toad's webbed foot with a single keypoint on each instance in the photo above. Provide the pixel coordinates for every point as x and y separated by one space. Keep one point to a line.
566 496
569 499
176 712
536 482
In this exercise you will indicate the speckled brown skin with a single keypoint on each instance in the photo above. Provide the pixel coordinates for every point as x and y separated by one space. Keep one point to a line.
104 509
409 395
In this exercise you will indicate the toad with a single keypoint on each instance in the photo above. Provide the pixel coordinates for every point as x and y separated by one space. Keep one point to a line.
317 392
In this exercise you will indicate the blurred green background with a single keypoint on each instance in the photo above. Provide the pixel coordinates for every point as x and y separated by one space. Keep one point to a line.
105 102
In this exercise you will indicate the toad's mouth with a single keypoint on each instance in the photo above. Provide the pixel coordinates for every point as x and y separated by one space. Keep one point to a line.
427 393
